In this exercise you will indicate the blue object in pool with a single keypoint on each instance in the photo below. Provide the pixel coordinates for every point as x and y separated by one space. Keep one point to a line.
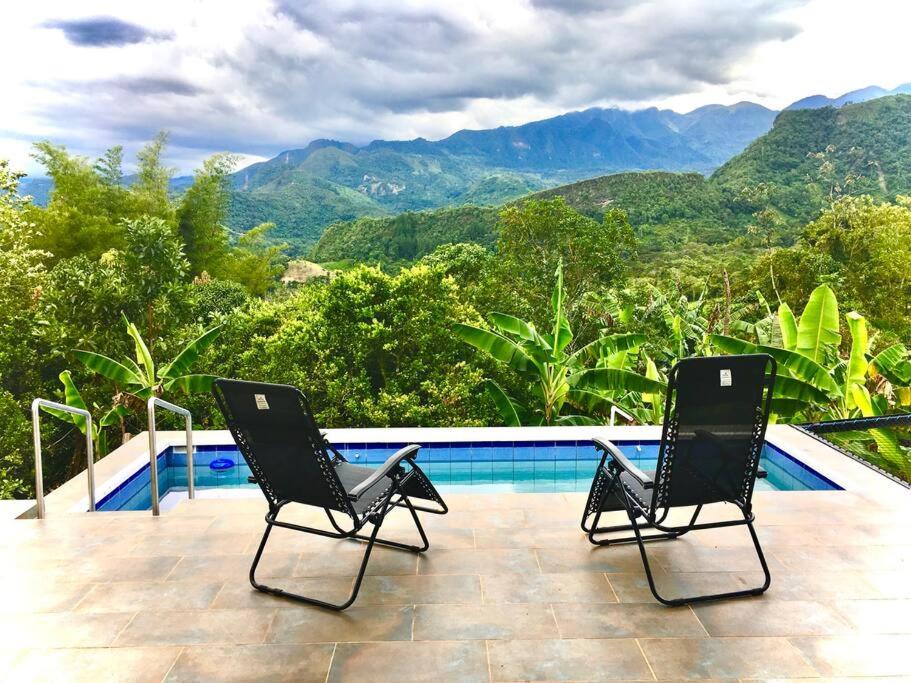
220 464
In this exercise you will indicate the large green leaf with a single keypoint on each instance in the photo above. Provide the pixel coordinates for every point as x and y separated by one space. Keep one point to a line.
608 345
887 444
788 325
495 345
798 365
892 362
611 379
577 421
562 335
798 390
510 411
108 367
143 356
514 325
857 362
184 361
191 384
817 331
73 399
113 415
593 402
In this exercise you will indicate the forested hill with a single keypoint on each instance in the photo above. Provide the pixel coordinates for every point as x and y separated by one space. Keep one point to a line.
304 190
789 173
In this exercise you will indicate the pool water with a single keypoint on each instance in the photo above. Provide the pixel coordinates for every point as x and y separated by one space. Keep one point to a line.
489 466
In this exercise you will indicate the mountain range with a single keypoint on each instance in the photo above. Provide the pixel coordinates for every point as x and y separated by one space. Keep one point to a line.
304 190
869 142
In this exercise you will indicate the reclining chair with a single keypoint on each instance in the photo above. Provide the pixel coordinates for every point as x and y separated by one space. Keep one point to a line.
715 421
292 462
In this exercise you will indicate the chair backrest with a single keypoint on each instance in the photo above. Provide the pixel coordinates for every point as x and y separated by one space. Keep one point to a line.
278 437
714 430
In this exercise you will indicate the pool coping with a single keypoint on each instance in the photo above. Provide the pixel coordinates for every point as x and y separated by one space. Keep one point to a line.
112 470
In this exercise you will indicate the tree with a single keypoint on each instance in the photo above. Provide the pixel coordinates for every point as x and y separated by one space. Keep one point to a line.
140 379
536 235
557 376
151 189
202 211
254 262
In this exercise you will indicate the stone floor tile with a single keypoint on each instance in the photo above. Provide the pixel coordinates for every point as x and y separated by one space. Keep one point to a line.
305 624
162 595
338 562
233 567
567 660
136 665
196 627
689 658
625 621
423 589
858 655
588 558
877 616
478 562
684 556
547 588
61 629
100 569
483 622
292 662
411 661
41 596
763 617
197 544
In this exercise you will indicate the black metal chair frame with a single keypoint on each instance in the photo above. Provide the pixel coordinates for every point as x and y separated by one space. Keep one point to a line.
608 482
392 495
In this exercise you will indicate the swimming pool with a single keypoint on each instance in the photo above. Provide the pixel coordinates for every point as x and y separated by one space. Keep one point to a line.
481 466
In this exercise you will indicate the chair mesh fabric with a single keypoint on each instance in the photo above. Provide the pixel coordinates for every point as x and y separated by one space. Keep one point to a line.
715 422
278 437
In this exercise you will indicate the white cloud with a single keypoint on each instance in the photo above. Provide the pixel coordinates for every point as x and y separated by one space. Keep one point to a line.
257 77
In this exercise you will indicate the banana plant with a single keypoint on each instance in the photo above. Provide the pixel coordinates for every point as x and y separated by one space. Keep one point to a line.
557 376
141 378
74 399
815 383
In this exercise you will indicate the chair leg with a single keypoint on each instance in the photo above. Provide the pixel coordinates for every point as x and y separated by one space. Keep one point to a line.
371 540
386 542
676 602
595 529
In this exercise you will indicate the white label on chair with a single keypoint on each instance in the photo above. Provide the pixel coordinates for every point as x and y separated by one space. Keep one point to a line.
261 401
725 378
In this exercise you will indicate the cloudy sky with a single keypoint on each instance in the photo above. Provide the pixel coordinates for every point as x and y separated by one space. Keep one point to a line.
259 76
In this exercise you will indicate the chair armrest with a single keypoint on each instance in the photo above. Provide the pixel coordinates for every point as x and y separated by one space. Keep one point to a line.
391 463
624 463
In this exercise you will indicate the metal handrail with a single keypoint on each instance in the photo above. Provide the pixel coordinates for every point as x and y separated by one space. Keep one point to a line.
89 449
153 448
614 411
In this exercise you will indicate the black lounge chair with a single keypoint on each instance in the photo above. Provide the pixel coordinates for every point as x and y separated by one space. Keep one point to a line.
715 420
293 463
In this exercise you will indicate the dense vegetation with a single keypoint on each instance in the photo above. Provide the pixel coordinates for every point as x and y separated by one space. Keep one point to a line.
561 305
760 197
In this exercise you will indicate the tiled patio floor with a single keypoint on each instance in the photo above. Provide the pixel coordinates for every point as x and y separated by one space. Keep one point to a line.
510 590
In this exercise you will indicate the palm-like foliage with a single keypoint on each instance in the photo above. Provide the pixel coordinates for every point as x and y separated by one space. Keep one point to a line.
815 383
74 399
560 377
142 378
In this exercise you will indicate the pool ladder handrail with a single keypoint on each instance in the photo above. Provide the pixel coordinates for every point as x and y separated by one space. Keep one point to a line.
153 448
614 411
37 404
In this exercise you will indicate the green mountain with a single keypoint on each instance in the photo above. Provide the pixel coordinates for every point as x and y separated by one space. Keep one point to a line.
304 190
808 155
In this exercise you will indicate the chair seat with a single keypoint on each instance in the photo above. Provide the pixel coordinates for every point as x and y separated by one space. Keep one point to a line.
352 475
